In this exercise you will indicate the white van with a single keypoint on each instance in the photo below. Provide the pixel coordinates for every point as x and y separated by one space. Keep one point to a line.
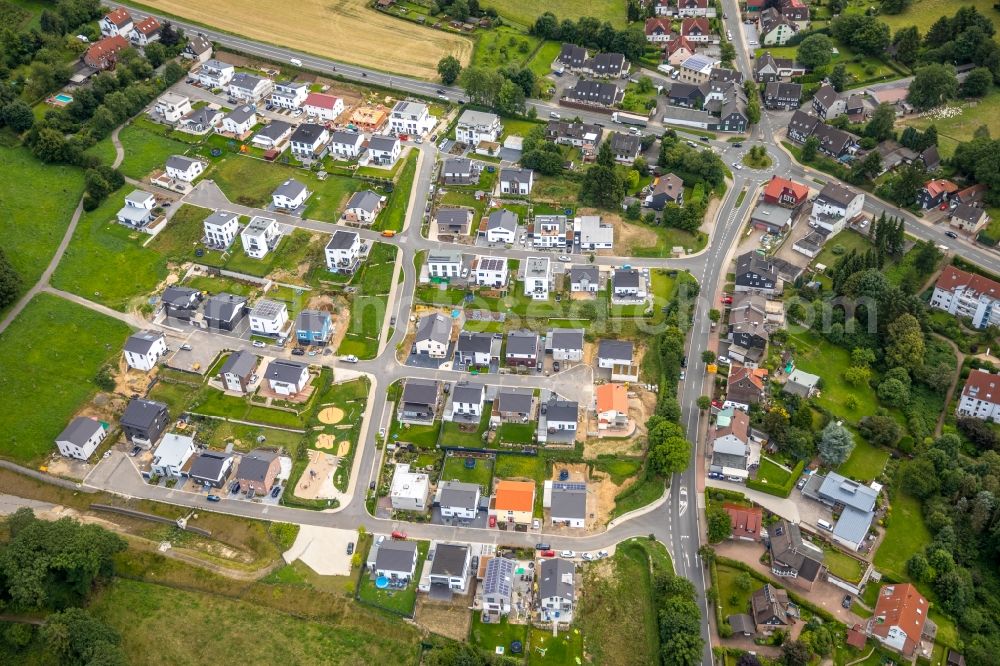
825 525
296 62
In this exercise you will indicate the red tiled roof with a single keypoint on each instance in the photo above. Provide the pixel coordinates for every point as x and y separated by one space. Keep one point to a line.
103 49
939 186
746 520
119 16
148 25
739 372
952 278
777 186
973 193
739 425
321 101
900 605
677 44
982 385
653 23
688 24
856 637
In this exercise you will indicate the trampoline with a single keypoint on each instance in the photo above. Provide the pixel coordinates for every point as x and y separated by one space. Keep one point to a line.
381 582
455 313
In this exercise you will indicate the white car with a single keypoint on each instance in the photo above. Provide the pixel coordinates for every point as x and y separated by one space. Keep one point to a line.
737 166
682 375
724 360
350 359
568 554
536 524
381 433
563 257
587 556
258 343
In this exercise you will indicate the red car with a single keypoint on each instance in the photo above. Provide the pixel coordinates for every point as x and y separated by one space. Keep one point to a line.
399 535
728 300
548 553
493 521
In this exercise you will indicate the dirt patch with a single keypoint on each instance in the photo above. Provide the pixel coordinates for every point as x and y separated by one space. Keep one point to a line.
129 381
331 415
632 236
343 448
325 441
600 488
317 479
445 619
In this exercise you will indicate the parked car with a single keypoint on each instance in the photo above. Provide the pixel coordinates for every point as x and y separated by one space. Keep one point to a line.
802 482
555 366
381 433
350 547
258 343
214 498
135 451
275 491
400 535
602 553
846 603
542 546
186 347
951 234
536 524
703 138
350 358
547 553
567 554
298 351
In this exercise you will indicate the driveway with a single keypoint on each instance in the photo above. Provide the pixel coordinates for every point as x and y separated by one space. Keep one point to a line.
323 549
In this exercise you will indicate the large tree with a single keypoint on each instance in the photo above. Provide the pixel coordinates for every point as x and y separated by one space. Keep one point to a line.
815 51
10 281
932 85
977 83
602 185
835 444
448 69
76 638
865 34
720 525
907 43
905 346
880 125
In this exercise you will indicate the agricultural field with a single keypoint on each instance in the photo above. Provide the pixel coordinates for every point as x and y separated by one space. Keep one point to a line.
49 358
923 14
525 13
35 209
348 30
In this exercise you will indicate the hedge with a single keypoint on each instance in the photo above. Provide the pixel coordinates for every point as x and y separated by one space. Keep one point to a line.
800 601
778 491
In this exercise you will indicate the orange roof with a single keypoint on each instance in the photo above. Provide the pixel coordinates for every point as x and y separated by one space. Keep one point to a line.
900 605
951 279
939 185
739 372
677 44
777 186
105 48
746 520
118 16
739 425
653 23
148 25
689 24
514 496
612 397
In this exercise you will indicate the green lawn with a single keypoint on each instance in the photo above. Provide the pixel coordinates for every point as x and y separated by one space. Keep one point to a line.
844 566
619 469
216 285
541 61
160 624
369 304
856 66
146 151
216 403
923 14
517 433
518 127
770 472
49 357
489 636
906 534
733 598
841 244
455 470
952 131
520 467
293 250
501 47
566 649
402 601
817 356
453 435
35 209
645 491
394 215
866 461
421 436
525 13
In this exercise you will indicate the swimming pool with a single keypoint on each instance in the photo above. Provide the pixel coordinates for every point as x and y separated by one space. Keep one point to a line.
63 98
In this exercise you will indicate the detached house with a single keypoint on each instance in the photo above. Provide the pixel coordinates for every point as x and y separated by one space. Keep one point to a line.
827 103
104 54
343 251
980 397
522 349
590 232
467 400
565 344
248 87
537 277
221 228
498 586
322 107
237 371
184 168
450 568
383 150
476 126
286 378
290 195
117 22
770 609
346 145
774 29
967 295
561 418
900 619
459 171
549 231
625 147
268 317
667 189
144 421
364 207
215 74
556 589
172 106
792 556
696 30
197 48
658 30
137 212
626 284
418 403
744 388
145 31
144 349
755 273
289 94
501 227
212 469
936 192
224 312
433 335
239 121
617 356
273 136
490 272
180 302
458 500
81 437
611 406
835 206
968 218
260 236
313 327
446 265
409 490
172 455
395 560
768 69
516 181
513 502
694 8
784 192
200 121
474 349
411 118
309 141
514 405
584 279
258 470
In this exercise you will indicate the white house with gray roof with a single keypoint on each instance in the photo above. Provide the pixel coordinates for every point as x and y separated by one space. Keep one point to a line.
346 145
290 195
364 207
444 264
289 94
221 228
200 121
501 227
459 171
565 344
562 416
249 87
237 371
537 277
458 500
474 348
515 404
556 588
590 232
239 121
260 236
183 168
567 503
172 454
585 279
411 118
274 135
516 181
383 150
144 349
467 399
453 220
433 335
81 437
215 74
268 317
627 285
309 141
617 356
343 252
418 402
450 567
856 503
476 126
286 377
394 559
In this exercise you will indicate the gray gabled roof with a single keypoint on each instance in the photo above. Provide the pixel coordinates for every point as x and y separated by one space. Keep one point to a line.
514 400
435 327
79 430
457 165
281 370
616 349
396 556
142 413
224 307
522 342
382 143
346 138
244 80
502 219
452 216
180 162
626 279
342 240
241 114
562 411
420 392
567 338
307 133
553 579
449 560
579 273
516 175
842 490
471 342
142 342
241 364
459 494
313 321
274 130
209 465
366 200
254 465
837 194
179 296
468 393
203 116
569 500
291 188
625 144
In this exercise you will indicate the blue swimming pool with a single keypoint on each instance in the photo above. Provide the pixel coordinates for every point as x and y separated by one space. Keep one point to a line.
63 98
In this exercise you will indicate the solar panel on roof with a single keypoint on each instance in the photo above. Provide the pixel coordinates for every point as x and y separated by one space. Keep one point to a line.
571 486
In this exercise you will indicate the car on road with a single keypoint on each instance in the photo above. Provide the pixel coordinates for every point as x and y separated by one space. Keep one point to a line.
440 91
553 114
214 498
258 343
563 257
298 351
951 234
371 486
186 347
738 144
350 358
542 546
737 166
275 491
568 554
684 361
399 535
703 138
392 320
350 547
547 553
381 433
846 603
682 375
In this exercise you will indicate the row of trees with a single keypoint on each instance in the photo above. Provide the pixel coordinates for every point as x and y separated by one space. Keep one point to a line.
979 160
505 91
590 32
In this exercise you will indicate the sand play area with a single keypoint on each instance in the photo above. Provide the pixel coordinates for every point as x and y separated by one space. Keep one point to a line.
330 415
317 480
325 441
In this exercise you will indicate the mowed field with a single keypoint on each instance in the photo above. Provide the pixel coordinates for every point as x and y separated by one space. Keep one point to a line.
525 11
346 30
